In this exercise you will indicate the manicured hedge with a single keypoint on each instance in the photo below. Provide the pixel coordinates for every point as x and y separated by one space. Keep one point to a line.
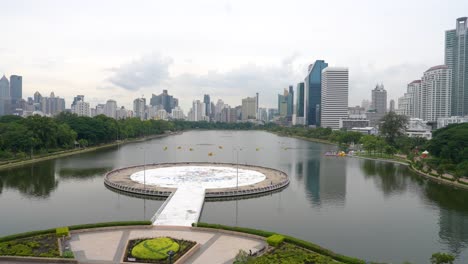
62 231
106 224
75 227
289 239
275 240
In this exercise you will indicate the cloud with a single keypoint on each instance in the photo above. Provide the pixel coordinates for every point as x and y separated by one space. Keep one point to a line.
148 71
241 82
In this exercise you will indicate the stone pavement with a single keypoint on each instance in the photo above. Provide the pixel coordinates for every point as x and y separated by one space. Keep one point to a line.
107 246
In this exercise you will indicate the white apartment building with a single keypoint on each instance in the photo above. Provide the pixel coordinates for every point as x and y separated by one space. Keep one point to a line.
81 109
436 86
110 108
178 113
139 106
334 101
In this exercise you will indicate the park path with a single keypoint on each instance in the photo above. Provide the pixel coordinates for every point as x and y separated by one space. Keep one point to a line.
107 246
182 208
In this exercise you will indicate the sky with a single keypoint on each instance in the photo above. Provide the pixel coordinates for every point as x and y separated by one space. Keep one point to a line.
122 50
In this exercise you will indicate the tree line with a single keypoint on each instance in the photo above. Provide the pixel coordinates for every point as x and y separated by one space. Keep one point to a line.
23 137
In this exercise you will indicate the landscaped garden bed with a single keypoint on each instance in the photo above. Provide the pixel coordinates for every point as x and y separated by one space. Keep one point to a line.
156 250
36 246
285 253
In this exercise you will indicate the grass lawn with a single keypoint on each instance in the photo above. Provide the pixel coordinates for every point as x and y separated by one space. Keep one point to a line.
36 246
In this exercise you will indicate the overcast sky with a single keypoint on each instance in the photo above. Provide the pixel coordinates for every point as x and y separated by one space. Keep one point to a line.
228 49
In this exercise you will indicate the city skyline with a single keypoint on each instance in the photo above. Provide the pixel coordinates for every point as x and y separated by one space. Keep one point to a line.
94 52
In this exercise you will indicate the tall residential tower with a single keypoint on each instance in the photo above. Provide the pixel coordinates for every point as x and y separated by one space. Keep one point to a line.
456 58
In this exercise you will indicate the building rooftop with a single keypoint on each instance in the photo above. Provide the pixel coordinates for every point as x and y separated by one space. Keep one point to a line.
438 67
415 81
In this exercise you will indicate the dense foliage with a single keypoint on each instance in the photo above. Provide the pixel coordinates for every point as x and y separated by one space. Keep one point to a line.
449 146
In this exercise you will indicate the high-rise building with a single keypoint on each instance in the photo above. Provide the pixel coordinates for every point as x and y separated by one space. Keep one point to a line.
249 108
392 106
298 116
52 105
414 91
81 108
290 99
206 100
436 86
313 93
456 58
77 99
139 106
334 98
122 113
378 104
197 112
110 109
283 103
178 113
164 101
257 110
5 99
16 88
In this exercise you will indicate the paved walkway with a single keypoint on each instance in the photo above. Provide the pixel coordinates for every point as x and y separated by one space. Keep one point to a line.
183 208
107 246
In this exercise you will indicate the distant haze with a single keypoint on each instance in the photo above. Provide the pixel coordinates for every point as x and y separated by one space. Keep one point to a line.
228 49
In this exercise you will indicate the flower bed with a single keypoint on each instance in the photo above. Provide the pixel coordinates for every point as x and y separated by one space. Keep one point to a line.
36 246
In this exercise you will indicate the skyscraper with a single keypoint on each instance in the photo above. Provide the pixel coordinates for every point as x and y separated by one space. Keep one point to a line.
283 103
299 113
16 88
436 88
5 98
206 100
313 93
290 99
110 109
334 97
378 104
456 58
249 108
139 106
164 101
392 106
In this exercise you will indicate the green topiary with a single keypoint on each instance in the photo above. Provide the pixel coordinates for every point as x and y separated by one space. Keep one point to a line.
155 249
275 240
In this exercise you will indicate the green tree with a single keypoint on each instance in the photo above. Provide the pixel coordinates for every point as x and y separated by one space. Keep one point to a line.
442 258
393 126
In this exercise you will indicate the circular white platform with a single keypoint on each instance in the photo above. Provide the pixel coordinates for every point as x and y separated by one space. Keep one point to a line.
208 177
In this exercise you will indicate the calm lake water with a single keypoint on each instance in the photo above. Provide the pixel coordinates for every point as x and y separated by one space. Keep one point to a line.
369 209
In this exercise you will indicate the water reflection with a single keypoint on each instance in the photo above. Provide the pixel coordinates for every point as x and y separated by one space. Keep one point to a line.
35 180
80 173
390 178
453 215
326 181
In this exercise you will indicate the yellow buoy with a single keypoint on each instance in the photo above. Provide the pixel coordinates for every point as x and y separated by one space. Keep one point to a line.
165 148
179 147
257 149
220 147
191 149
210 154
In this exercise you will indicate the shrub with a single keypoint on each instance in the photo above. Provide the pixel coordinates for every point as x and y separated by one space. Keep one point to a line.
275 240
62 231
68 254
106 224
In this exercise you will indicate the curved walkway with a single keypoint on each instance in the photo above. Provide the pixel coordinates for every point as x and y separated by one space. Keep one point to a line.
108 245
